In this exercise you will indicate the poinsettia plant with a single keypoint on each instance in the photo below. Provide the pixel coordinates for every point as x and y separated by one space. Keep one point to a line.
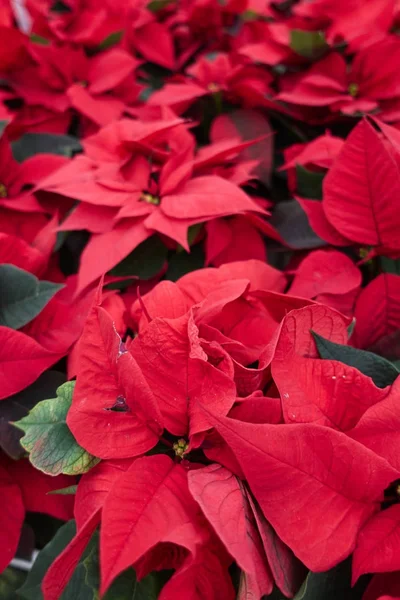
200 300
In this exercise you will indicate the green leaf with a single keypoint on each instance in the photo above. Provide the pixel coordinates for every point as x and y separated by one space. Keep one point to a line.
193 232
309 183
389 265
17 406
22 296
60 7
31 590
309 44
181 263
76 587
10 580
157 5
45 143
52 447
38 39
334 584
381 371
67 491
126 586
145 261
111 40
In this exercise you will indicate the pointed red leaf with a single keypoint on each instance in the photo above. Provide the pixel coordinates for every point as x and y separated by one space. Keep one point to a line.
22 360
379 427
208 196
325 392
35 488
361 189
11 517
295 337
287 571
105 250
319 222
108 69
220 496
200 578
149 503
155 42
181 382
380 298
296 473
107 374
325 272
377 544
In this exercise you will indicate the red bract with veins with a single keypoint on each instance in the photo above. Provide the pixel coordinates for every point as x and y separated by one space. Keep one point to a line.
199 230
358 207
184 372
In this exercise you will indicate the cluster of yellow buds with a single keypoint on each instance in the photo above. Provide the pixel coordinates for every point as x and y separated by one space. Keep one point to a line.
180 447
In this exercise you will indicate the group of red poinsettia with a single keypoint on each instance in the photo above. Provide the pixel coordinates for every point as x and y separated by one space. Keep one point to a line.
200 298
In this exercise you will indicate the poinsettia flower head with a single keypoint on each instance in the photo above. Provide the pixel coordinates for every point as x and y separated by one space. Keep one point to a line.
220 74
132 200
63 77
363 89
77 21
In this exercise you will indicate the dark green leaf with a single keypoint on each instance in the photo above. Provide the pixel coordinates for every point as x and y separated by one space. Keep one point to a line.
111 40
334 584
78 588
309 44
381 371
17 406
38 39
145 261
22 296
31 588
45 143
389 265
126 586
3 125
60 7
10 580
193 232
52 447
157 5
182 263
309 183
291 222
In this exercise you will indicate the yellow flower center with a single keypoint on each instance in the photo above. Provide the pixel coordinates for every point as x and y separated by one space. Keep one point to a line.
150 199
353 89
213 88
180 447
3 191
